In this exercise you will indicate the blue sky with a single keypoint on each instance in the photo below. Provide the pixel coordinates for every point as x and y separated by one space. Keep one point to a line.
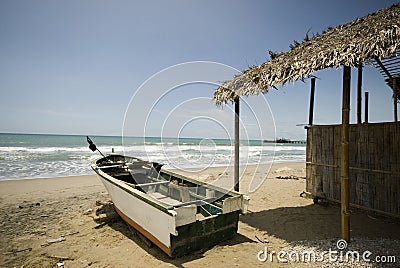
72 67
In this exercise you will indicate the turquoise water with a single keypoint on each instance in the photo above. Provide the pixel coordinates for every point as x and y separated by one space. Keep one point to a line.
39 155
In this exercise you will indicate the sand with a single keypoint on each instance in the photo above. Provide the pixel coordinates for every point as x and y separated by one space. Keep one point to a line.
69 222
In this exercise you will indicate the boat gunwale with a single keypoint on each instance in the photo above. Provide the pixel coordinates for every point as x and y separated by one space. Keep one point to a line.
136 193
148 199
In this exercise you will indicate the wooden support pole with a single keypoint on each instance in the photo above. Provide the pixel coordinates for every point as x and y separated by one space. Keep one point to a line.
345 193
359 98
237 143
366 107
394 81
311 110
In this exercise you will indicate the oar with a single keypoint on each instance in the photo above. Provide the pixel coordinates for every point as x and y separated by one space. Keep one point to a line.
92 146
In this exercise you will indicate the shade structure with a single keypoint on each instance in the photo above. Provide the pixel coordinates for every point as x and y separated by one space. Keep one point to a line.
374 36
370 39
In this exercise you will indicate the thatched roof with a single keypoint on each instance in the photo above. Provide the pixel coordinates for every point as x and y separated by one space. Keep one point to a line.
375 35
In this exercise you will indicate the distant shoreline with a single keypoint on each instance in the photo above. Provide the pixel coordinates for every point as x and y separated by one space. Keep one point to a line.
284 140
192 169
280 140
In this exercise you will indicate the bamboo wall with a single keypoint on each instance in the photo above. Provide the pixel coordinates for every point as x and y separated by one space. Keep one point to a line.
374 156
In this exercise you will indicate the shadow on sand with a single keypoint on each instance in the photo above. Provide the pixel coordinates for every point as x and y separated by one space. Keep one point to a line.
296 225
318 222
113 220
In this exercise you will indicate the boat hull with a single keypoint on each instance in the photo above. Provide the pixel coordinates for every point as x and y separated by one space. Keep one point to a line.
145 218
175 229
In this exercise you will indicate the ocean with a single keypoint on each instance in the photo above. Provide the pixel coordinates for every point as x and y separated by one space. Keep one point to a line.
41 156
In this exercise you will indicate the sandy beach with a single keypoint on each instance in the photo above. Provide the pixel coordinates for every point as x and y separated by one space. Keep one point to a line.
70 222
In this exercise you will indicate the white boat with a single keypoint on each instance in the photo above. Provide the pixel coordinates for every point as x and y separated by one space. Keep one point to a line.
178 214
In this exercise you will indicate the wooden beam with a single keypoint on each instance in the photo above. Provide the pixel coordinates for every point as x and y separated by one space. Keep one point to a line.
390 62
366 108
311 110
394 87
383 68
359 98
237 143
345 193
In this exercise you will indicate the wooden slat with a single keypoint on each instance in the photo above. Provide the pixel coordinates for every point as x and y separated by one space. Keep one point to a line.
374 164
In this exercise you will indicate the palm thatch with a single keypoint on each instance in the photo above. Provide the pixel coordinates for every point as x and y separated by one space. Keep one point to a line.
374 36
